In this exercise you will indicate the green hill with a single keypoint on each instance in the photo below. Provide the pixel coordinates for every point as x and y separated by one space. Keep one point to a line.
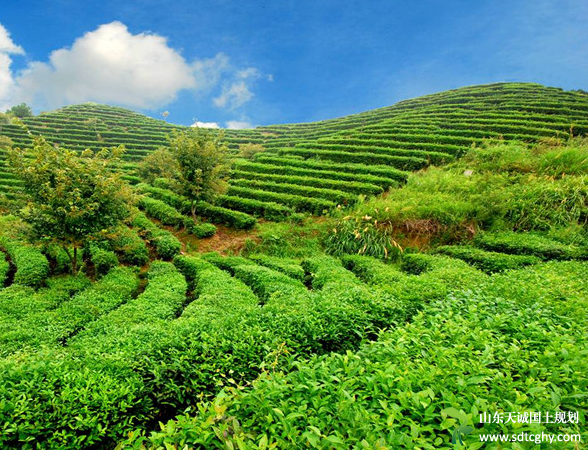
462 291
313 167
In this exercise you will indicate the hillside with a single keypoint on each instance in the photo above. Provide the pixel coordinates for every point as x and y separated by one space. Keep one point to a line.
313 167
384 324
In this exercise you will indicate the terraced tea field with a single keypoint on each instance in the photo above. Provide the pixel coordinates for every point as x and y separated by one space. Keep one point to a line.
314 167
366 302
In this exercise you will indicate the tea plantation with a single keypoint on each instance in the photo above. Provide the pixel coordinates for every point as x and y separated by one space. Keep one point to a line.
369 276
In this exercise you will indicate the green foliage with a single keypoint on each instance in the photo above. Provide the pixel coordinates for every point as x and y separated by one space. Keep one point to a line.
285 241
202 160
70 198
269 210
361 157
299 203
547 158
500 187
215 287
85 366
362 236
371 270
102 259
59 260
19 303
405 383
162 299
166 244
290 267
51 317
215 214
129 246
355 187
203 230
32 266
158 164
283 186
220 215
161 211
489 262
529 244
382 175
248 151
21 111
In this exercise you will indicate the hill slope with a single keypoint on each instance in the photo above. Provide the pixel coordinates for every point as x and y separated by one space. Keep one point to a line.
312 167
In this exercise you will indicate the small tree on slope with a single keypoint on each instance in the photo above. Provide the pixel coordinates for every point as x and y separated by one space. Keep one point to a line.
203 164
70 197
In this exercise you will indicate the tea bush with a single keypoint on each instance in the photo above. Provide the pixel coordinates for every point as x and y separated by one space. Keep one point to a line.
488 261
467 351
32 266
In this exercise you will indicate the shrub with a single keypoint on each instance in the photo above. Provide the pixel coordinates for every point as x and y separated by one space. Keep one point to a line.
371 270
488 261
52 326
18 304
203 230
408 365
362 157
267 210
32 266
299 203
266 282
284 187
350 172
59 261
301 182
129 246
290 267
168 215
527 244
103 260
166 244
215 214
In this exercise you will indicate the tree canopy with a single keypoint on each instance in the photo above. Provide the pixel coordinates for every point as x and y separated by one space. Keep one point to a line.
70 197
20 111
196 162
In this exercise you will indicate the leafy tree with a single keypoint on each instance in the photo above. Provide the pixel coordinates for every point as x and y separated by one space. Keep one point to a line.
203 164
159 164
21 111
70 197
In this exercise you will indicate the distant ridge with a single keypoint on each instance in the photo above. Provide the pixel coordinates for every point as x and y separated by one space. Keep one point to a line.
312 167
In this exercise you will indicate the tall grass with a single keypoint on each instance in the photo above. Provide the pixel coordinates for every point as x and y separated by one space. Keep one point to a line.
506 186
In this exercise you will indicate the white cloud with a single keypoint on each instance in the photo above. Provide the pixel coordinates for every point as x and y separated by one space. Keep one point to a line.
199 124
238 92
6 81
233 95
208 72
7 47
6 44
250 72
108 65
238 124
112 65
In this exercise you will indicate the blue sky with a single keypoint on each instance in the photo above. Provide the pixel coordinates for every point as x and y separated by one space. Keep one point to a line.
237 63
